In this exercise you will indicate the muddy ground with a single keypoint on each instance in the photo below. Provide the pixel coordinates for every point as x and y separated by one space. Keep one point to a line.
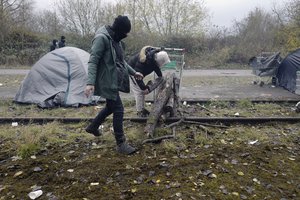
233 161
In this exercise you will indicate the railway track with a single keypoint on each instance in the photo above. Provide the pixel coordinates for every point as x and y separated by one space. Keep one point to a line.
278 101
224 120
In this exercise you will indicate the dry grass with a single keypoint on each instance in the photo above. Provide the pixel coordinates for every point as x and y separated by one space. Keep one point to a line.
9 81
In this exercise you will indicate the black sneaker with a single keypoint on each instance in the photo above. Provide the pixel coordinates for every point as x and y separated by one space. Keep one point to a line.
140 114
125 148
146 112
96 132
143 113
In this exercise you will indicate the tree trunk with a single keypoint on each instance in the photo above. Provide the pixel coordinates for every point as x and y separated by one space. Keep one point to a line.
165 101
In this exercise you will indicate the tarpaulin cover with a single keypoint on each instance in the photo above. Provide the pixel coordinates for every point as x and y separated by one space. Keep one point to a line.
287 71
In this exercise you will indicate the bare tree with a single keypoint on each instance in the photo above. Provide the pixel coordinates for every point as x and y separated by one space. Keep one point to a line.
23 15
81 16
289 18
167 17
256 32
48 22
289 13
292 12
8 10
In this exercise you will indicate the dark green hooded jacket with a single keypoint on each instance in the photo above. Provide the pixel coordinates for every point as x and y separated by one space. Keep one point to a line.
102 71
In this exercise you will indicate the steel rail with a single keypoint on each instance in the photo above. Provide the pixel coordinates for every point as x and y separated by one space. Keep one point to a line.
209 100
224 120
279 101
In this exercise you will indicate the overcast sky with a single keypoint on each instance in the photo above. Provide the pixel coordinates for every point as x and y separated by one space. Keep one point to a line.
223 12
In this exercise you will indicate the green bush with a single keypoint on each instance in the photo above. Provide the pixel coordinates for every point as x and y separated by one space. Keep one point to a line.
21 47
27 150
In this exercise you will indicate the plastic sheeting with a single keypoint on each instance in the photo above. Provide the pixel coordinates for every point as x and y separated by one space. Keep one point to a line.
287 71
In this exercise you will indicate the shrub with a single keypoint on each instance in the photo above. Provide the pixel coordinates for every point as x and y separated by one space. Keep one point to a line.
27 150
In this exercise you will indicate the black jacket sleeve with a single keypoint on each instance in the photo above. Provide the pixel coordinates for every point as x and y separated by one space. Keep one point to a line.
141 84
158 71
133 61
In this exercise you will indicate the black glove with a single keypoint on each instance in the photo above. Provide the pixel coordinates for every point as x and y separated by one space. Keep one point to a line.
152 85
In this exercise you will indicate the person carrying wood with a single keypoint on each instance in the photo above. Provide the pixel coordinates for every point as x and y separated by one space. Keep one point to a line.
148 60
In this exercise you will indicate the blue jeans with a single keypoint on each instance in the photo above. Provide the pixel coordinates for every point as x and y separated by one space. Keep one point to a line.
116 108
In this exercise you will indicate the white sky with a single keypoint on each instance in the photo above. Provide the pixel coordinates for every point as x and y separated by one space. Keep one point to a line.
222 12
43 4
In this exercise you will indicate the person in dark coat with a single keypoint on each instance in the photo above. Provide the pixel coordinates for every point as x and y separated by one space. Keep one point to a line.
53 45
62 42
148 60
108 73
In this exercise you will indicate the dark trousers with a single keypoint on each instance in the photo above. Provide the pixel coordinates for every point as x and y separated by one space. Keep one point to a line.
116 108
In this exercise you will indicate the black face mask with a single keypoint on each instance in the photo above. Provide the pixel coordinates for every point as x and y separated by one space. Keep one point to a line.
119 36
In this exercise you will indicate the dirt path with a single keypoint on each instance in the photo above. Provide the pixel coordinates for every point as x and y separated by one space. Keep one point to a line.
186 73
200 92
13 71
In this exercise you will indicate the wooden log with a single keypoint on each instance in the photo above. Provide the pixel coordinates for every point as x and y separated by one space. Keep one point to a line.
169 107
175 123
164 92
176 96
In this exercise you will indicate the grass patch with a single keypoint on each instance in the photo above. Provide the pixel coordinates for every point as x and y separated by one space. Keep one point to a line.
15 67
9 81
170 146
213 108
215 80
244 104
219 104
29 139
27 150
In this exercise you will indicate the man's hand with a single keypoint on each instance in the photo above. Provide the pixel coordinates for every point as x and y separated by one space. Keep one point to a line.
89 89
138 76
145 92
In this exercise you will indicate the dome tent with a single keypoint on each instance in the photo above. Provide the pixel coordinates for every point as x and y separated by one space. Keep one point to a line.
57 79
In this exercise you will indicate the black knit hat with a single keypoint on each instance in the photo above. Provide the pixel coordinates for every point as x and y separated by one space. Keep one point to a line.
121 24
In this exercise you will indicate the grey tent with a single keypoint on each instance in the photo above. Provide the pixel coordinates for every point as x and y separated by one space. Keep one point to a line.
57 79
287 71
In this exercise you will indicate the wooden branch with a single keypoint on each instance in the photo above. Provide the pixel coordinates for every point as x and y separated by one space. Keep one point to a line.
209 110
175 123
204 128
174 131
173 126
169 107
182 120
205 124
158 139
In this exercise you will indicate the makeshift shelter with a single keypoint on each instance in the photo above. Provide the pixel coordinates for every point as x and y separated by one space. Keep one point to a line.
287 71
266 64
57 79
